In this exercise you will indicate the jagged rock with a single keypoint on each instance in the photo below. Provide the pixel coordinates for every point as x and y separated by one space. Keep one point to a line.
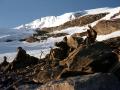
83 58
63 48
22 60
4 64
98 57
21 64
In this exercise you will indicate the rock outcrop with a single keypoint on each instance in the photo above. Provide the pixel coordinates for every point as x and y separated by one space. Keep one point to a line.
107 26
98 57
104 27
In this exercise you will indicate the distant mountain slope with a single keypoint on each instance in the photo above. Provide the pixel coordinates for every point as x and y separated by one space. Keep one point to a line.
49 21
54 21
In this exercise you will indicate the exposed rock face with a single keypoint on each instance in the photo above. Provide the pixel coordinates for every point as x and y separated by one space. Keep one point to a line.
104 27
21 61
21 64
107 26
87 82
77 22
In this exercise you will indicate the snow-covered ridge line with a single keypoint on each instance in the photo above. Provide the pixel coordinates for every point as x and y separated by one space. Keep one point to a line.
52 21
49 21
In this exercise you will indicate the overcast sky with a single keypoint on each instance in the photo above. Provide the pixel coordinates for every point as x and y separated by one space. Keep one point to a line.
16 12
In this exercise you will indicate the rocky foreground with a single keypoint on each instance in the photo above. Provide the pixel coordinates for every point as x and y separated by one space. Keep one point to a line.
93 67
97 81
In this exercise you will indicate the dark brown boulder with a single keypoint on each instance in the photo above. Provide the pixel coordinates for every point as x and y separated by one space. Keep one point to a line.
62 51
105 62
99 52
83 58
4 64
22 60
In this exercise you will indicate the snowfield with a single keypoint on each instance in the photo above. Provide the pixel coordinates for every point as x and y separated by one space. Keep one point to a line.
9 48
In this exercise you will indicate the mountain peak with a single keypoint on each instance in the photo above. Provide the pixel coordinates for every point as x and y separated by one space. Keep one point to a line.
49 21
53 21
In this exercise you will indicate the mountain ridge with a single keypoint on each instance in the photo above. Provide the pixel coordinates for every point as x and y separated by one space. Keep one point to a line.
49 21
53 21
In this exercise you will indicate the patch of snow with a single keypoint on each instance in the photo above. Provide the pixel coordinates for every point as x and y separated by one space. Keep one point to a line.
117 17
73 30
108 36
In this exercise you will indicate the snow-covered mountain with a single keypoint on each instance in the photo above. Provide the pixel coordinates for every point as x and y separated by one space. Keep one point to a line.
9 48
49 21
53 21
